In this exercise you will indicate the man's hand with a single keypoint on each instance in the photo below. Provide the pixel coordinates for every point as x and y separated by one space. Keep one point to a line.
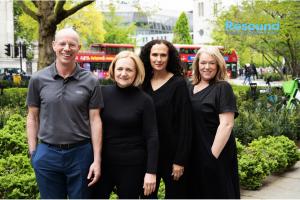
149 183
177 172
94 173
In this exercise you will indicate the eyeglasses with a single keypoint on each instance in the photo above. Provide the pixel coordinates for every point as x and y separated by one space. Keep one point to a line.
208 63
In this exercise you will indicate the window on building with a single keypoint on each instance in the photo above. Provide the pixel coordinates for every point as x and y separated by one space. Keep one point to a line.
215 9
201 9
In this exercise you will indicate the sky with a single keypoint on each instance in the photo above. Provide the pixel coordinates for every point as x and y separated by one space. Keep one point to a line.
178 5
175 5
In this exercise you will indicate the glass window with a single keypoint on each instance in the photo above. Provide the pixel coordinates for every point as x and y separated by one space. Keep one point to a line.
201 9
215 9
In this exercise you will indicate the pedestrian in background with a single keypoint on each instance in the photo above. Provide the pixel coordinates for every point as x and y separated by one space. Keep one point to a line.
247 74
130 140
253 71
165 83
64 128
214 167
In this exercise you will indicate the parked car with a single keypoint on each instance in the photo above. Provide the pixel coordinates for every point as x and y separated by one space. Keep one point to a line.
8 73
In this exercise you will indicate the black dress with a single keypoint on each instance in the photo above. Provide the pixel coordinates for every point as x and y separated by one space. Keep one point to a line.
211 177
173 113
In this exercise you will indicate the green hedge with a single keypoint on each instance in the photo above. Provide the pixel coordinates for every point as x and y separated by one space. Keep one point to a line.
17 179
263 157
12 101
265 116
272 76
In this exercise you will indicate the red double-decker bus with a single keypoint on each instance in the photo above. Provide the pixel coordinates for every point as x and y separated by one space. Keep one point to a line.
231 60
187 54
99 57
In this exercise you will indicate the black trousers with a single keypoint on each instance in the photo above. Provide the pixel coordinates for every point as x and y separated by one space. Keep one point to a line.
173 189
125 180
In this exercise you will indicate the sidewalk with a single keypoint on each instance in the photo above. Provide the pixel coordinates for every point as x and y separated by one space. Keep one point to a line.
279 186
260 82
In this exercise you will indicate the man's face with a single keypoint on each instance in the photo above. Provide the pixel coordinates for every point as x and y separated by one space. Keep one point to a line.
66 46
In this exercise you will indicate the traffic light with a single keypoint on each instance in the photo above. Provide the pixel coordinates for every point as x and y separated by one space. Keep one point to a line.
7 49
16 51
24 55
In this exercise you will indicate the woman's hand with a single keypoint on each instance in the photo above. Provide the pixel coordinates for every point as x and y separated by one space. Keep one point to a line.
177 172
149 183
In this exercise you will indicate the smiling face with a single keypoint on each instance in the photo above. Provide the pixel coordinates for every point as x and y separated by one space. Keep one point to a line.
207 67
125 72
159 56
66 46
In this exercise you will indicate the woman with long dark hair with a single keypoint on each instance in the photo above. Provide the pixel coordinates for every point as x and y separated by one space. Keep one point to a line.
165 83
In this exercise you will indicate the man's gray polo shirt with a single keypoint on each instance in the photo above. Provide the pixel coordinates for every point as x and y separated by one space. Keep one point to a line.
64 104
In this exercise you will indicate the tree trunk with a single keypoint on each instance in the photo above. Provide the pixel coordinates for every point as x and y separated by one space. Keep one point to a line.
47 29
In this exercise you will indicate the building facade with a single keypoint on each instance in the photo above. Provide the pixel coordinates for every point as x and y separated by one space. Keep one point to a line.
205 13
156 25
7 37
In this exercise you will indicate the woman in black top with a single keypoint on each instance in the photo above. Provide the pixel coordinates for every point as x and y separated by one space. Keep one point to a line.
214 167
165 84
130 140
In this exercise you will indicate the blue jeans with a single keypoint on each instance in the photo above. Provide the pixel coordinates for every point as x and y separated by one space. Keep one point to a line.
62 173
247 78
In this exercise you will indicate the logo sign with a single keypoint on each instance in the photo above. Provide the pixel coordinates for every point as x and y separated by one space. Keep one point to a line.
235 28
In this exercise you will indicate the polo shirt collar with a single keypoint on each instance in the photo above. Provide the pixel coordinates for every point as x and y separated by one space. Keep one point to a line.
75 74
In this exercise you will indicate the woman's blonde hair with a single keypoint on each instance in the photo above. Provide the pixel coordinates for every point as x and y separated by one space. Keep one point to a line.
140 71
221 64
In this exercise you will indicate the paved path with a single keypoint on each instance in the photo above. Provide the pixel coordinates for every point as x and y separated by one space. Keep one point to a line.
279 186
260 82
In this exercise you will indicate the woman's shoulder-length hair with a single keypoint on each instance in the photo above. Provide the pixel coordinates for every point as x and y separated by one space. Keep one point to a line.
221 64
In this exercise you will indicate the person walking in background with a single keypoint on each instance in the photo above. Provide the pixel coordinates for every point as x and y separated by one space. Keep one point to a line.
247 74
253 71
214 167
130 140
64 128
166 85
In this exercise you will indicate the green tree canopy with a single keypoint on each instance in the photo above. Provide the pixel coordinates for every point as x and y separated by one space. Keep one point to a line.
116 31
181 30
272 45
88 22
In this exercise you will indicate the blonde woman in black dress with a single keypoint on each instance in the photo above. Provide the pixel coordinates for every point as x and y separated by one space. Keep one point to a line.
214 168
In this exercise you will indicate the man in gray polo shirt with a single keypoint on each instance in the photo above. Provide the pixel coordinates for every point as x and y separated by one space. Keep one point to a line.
64 128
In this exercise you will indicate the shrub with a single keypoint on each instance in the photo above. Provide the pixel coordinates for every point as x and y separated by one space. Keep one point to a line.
263 157
17 179
272 76
18 186
264 116
13 138
251 171
13 97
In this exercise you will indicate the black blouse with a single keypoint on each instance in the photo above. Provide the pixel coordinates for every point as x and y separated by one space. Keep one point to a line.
129 127
173 113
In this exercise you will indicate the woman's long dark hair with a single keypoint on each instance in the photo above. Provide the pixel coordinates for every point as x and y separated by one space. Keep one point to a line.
174 64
